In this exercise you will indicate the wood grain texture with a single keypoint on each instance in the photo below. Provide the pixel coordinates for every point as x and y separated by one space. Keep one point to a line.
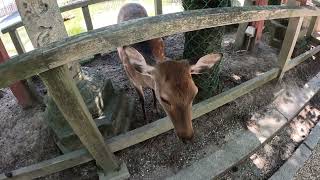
35 15
290 40
69 101
46 26
289 43
50 166
108 38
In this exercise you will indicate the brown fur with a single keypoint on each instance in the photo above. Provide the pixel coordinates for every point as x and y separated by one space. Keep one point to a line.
176 75
170 81
174 83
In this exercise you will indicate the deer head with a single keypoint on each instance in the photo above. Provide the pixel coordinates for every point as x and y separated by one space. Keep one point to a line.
173 85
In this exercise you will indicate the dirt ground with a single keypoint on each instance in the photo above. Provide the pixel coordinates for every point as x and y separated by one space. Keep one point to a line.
25 139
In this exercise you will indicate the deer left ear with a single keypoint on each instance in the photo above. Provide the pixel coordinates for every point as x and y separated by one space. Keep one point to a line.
137 61
205 63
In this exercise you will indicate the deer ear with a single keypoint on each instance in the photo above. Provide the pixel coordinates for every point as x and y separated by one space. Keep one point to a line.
137 61
205 63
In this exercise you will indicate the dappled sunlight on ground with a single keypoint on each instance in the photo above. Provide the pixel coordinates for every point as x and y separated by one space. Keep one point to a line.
259 161
264 124
297 131
300 126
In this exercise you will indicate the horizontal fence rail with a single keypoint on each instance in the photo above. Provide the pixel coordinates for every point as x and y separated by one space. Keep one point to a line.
107 39
302 57
62 9
163 125
140 134
153 129
150 130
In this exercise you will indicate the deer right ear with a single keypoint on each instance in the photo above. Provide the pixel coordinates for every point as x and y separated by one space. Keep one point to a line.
138 61
205 63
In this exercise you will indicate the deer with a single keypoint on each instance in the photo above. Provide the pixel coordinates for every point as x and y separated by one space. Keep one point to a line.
171 81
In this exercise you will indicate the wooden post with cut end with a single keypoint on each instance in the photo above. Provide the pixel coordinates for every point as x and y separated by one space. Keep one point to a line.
44 24
289 41
68 98
87 18
42 31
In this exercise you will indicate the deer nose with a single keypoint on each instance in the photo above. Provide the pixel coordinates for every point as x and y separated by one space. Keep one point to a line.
185 139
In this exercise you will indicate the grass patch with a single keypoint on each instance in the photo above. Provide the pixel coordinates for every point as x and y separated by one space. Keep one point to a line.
75 25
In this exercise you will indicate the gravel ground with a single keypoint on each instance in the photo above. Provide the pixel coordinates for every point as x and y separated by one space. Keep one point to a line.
311 168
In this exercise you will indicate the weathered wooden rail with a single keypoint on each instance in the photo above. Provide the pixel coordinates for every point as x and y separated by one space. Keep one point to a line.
50 59
108 38
84 5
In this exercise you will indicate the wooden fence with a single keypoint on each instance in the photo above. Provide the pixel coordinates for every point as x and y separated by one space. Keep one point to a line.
84 5
52 59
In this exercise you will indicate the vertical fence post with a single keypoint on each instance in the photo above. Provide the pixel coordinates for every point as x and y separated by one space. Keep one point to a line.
289 41
240 35
87 18
88 21
17 41
312 26
44 24
19 89
158 7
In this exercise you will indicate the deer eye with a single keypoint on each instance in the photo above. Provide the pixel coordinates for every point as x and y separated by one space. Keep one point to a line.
165 101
